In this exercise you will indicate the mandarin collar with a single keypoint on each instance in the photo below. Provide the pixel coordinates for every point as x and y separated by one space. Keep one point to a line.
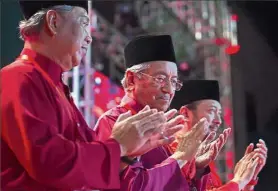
50 67
131 103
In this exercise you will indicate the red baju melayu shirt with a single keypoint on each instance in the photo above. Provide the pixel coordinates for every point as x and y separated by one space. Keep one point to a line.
45 142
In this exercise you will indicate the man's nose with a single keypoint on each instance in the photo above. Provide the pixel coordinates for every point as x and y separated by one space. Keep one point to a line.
168 88
217 120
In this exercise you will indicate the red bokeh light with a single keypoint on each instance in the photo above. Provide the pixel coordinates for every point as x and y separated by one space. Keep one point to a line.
233 49
221 41
234 17
184 66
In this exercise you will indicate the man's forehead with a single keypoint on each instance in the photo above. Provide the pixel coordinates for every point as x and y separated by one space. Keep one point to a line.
210 103
163 67
81 12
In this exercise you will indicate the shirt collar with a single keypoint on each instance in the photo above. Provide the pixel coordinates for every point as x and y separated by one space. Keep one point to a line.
50 67
132 103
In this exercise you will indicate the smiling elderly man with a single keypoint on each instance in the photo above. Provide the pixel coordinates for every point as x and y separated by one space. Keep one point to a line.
151 79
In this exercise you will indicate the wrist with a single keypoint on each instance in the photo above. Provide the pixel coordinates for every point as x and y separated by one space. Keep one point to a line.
178 156
123 150
254 181
241 183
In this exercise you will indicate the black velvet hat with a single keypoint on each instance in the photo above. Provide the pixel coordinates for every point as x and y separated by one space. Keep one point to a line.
149 48
195 90
30 7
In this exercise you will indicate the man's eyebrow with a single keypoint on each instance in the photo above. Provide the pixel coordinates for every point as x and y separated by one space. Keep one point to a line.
214 107
163 73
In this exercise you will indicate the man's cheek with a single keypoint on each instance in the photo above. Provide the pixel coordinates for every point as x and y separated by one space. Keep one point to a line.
209 118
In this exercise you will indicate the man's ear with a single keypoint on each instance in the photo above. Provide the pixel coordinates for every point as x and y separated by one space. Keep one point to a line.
130 78
184 111
52 21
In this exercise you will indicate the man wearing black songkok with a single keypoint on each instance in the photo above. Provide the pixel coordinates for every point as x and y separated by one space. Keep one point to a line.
201 98
151 78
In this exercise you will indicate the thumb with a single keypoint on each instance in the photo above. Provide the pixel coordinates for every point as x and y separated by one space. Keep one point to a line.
249 148
123 116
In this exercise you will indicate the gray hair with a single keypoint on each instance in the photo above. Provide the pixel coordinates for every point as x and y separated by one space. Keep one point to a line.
34 24
135 69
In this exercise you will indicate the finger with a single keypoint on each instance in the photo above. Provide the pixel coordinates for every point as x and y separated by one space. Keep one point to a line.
175 121
124 116
210 138
262 158
200 128
262 146
259 156
151 118
199 124
162 142
171 131
262 141
169 114
226 133
142 115
249 148
146 108
259 150
220 140
154 121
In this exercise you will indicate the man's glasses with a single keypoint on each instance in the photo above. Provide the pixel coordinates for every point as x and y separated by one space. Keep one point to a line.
163 80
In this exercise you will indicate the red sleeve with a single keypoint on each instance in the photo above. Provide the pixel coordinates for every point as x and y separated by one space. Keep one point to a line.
230 186
30 128
165 176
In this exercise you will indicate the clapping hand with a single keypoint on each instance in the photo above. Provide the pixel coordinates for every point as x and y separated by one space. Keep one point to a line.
209 149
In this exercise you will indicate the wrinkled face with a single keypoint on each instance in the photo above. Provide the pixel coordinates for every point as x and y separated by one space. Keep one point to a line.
148 92
73 36
210 109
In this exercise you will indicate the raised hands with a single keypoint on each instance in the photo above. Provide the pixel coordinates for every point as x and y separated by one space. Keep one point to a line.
209 149
262 155
245 169
146 130
132 132
165 133
190 141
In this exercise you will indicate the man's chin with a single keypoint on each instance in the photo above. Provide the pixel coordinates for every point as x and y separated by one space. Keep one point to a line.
163 108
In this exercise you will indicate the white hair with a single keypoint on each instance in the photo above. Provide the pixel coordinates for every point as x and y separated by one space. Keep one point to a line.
135 69
33 25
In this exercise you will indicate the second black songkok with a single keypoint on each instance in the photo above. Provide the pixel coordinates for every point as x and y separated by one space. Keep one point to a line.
196 90
149 48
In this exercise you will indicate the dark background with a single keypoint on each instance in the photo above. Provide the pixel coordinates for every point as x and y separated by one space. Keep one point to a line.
255 83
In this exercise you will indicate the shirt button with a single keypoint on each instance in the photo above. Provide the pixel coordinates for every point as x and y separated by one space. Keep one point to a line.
78 124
